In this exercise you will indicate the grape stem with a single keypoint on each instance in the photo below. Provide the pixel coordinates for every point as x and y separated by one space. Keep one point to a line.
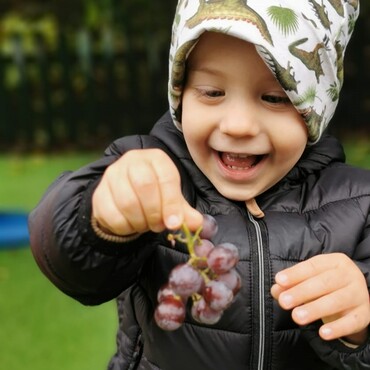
196 297
188 238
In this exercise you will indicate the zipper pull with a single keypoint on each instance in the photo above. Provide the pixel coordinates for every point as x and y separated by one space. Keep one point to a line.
254 209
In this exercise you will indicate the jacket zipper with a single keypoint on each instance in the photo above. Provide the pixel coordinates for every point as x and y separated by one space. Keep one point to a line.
260 261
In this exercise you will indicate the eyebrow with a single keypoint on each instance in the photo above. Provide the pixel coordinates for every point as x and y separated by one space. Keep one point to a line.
208 70
216 71
270 78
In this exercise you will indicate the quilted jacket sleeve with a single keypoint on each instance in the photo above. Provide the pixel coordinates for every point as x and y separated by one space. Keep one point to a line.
335 352
64 245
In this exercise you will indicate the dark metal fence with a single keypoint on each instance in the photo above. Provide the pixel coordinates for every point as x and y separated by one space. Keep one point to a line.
87 91
80 95
352 117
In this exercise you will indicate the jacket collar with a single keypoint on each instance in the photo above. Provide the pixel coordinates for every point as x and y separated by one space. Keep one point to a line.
317 157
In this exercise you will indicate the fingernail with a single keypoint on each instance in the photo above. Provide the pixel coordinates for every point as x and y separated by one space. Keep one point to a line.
287 300
281 278
301 315
326 332
173 222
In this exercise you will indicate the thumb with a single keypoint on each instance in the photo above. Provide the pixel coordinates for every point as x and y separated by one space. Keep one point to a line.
175 209
192 217
186 214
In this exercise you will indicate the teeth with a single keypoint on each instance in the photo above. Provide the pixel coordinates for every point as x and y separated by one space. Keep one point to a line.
243 156
238 168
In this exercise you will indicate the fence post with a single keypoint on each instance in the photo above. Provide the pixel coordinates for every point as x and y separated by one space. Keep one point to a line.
7 132
68 114
111 119
24 117
84 51
43 66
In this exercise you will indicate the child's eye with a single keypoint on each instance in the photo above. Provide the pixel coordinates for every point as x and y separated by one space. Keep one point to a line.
276 99
210 94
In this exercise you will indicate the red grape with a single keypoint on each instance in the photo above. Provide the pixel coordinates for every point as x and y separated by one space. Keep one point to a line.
223 257
231 279
185 280
164 292
217 295
210 227
202 250
170 313
203 313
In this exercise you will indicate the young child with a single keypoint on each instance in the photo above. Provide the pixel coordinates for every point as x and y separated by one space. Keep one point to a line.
253 84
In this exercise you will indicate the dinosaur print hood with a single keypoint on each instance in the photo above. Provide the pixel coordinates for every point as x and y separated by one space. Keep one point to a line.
301 41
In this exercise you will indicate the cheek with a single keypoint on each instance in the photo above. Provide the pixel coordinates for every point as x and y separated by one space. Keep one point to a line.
293 142
187 103
190 131
188 114
192 120
196 142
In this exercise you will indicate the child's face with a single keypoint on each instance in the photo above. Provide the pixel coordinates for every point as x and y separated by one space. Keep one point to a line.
240 128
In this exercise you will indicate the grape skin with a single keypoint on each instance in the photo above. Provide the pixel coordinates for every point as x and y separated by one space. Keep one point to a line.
210 227
217 295
164 292
223 258
185 280
170 313
232 248
204 314
202 250
231 279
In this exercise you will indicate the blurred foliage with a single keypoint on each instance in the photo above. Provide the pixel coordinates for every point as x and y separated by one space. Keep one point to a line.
98 68
137 17
14 24
88 67
47 17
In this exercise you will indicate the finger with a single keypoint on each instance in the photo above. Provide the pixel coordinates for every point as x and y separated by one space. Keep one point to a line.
125 200
309 268
193 218
144 181
311 289
330 305
107 214
173 202
354 322
276 290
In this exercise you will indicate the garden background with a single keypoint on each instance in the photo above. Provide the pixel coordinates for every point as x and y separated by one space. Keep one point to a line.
74 76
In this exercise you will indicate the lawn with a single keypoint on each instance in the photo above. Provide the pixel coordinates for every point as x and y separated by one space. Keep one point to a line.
358 152
40 328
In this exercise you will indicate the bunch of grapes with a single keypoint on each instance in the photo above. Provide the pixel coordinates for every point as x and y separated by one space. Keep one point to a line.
208 278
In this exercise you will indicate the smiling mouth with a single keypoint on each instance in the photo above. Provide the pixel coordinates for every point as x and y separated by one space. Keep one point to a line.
239 162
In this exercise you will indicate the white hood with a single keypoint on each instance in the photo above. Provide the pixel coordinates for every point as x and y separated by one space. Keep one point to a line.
301 41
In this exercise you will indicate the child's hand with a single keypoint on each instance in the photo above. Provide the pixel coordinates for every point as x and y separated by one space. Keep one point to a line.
329 287
141 191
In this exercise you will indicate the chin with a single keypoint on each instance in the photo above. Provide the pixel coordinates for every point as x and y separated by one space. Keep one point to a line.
239 196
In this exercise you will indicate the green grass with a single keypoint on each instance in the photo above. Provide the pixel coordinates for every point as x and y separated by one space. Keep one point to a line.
358 152
25 178
41 328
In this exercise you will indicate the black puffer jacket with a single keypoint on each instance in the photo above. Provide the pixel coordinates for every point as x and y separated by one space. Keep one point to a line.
322 206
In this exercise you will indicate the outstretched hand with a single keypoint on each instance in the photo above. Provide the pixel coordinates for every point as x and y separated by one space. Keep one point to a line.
141 191
329 287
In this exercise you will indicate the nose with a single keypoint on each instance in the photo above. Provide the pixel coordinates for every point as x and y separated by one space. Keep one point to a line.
239 120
